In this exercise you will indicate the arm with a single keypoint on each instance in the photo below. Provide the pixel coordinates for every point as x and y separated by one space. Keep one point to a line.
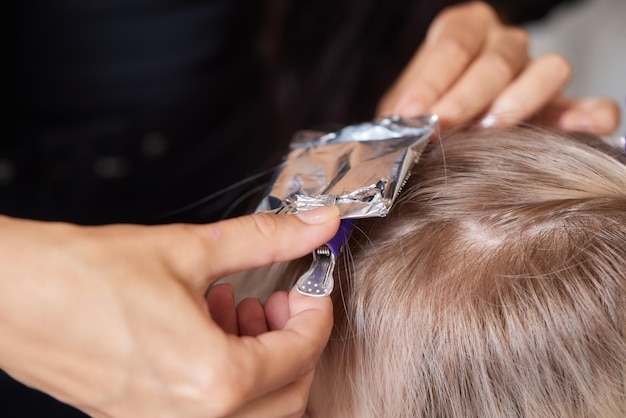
113 319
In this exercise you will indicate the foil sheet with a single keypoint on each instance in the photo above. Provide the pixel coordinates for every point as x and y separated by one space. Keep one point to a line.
359 168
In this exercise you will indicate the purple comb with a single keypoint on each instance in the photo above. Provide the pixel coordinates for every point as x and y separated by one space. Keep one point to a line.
341 237
318 279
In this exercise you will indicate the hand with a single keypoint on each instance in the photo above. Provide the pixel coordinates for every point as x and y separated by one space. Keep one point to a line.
471 66
251 318
113 319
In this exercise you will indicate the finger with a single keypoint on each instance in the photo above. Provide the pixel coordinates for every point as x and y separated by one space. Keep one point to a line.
453 40
288 402
542 81
598 115
277 310
277 358
501 60
251 317
221 301
202 254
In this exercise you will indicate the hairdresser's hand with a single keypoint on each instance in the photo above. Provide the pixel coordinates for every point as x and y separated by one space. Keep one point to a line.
251 318
113 319
473 69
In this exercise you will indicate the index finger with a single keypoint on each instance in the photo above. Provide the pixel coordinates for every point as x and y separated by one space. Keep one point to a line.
453 40
201 254
262 239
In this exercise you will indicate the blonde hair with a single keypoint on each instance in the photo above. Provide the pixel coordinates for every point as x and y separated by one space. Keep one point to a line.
495 288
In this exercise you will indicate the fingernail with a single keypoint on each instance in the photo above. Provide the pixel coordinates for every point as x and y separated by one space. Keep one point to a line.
572 121
450 111
505 112
413 109
319 215
587 122
489 121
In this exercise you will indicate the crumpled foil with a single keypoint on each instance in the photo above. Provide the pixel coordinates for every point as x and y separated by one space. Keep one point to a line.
359 168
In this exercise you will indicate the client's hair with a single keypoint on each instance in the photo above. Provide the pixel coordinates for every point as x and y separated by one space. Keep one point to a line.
495 288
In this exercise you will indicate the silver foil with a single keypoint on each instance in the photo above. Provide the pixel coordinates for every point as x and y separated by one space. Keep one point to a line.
359 168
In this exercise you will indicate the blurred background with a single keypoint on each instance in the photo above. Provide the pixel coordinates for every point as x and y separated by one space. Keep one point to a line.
591 34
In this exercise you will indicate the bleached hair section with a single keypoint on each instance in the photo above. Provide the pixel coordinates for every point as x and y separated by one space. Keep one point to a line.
495 288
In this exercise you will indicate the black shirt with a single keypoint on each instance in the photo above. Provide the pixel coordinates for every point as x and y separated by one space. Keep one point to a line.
121 110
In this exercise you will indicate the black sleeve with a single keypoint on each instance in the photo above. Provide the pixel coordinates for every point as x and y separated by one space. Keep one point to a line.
518 12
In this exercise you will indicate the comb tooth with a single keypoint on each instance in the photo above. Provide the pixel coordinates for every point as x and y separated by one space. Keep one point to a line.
318 279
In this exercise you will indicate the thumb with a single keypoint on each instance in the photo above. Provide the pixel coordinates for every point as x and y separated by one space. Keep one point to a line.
211 251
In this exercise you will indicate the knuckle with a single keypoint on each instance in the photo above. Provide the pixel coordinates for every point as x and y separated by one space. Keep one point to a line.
203 238
613 112
310 358
298 404
446 14
608 115
203 389
225 394
229 402
500 66
456 46
265 226
474 7
308 365
428 89
478 8
520 36
481 7
295 398
559 64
